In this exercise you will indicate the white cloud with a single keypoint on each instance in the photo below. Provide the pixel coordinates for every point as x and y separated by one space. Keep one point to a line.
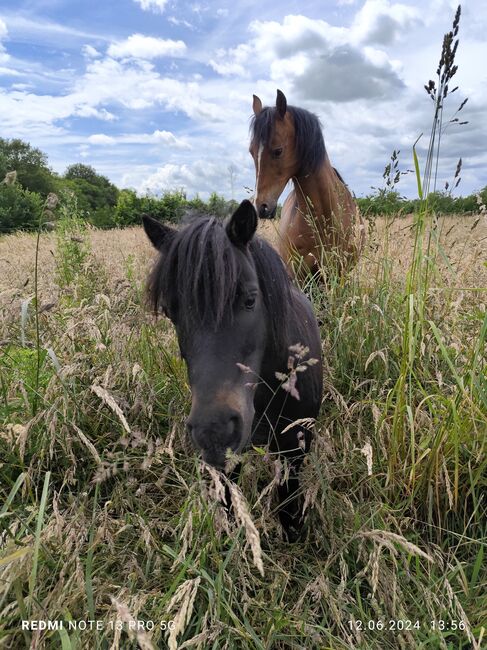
157 6
157 137
100 138
21 86
85 110
83 151
39 30
146 47
232 62
3 32
90 52
382 22
314 59
136 84
9 72
228 68
199 176
180 22
105 87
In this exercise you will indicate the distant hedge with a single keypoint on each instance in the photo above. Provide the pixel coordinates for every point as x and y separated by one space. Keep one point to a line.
440 202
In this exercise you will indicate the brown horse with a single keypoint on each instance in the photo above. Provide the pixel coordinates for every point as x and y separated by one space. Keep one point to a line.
320 219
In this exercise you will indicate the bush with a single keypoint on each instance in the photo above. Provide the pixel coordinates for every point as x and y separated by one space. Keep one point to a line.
390 202
73 247
19 208
171 206
218 206
385 202
128 209
103 218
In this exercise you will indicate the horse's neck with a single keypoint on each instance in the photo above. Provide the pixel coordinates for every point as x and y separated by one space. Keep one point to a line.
322 194
325 212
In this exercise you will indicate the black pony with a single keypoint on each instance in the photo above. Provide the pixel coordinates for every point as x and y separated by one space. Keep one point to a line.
241 327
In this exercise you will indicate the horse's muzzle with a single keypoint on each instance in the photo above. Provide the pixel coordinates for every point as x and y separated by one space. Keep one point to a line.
265 213
216 436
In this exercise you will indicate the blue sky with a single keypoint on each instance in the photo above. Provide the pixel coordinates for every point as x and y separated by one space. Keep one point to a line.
156 94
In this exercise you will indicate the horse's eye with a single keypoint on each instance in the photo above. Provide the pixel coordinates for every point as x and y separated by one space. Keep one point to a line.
277 152
249 303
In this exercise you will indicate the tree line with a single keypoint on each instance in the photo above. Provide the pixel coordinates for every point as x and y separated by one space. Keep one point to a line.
391 202
28 180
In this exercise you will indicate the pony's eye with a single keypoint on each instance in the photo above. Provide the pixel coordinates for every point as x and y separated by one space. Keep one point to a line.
249 303
277 152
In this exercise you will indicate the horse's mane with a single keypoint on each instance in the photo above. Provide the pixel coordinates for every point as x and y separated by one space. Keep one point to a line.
198 279
310 145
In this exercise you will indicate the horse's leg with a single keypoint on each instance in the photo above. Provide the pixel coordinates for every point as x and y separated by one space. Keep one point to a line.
292 446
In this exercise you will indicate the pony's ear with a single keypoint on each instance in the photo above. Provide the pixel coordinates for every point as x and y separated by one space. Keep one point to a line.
243 224
256 105
159 234
281 104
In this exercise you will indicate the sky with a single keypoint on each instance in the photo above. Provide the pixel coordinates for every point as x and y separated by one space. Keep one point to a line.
157 94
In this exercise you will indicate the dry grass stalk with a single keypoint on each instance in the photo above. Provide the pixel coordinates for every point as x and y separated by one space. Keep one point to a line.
123 614
90 446
368 453
386 537
243 517
184 597
105 396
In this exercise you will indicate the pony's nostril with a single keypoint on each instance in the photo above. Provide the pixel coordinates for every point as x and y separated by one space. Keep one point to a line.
263 210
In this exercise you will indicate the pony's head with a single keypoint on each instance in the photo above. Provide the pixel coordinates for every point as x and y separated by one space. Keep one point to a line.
286 142
219 286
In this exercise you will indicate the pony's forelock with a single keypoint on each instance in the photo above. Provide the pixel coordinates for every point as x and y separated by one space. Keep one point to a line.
196 280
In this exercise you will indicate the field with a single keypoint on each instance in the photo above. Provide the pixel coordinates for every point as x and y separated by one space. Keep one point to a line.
106 514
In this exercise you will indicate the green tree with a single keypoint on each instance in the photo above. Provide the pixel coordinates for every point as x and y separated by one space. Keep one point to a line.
128 210
93 191
84 172
171 206
30 164
19 208
197 204
218 206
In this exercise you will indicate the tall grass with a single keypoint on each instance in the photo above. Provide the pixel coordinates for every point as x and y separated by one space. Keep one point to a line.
131 516
106 514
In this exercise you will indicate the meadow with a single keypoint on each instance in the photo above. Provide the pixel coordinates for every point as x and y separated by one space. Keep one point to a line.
107 515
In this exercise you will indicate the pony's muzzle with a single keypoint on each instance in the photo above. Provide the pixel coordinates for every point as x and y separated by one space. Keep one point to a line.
215 434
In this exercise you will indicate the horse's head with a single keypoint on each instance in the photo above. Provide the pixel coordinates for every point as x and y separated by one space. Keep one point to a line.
273 149
286 142
206 282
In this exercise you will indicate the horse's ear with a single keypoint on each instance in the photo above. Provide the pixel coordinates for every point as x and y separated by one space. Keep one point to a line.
281 104
256 105
159 234
243 224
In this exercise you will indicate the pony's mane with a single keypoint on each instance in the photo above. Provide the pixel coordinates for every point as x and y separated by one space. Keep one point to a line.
198 279
310 145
